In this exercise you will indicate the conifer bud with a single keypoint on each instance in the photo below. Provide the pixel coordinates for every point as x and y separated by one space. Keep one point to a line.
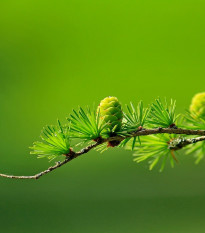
198 105
111 113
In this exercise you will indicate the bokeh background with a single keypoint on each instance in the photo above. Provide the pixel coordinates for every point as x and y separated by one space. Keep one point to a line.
56 55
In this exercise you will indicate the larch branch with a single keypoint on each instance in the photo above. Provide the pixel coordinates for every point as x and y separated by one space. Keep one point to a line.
141 132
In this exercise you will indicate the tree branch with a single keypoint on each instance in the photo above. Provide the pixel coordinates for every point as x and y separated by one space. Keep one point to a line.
179 143
69 157
141 132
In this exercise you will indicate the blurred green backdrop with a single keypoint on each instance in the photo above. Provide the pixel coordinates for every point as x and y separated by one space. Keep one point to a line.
56 55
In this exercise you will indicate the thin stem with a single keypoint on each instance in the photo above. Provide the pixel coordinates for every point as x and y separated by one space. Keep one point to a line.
70 157
141 132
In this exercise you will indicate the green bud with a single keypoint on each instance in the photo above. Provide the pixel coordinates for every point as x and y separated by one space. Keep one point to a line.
111 113
198 105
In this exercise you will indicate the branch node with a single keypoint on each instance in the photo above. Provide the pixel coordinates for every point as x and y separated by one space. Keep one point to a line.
173 126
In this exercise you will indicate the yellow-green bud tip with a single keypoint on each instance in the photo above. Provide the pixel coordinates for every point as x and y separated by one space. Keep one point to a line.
198 105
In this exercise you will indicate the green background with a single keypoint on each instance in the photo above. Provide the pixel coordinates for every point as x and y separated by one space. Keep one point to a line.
56 55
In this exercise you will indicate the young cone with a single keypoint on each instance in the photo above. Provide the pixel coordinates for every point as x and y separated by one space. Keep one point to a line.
111 113
198 105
